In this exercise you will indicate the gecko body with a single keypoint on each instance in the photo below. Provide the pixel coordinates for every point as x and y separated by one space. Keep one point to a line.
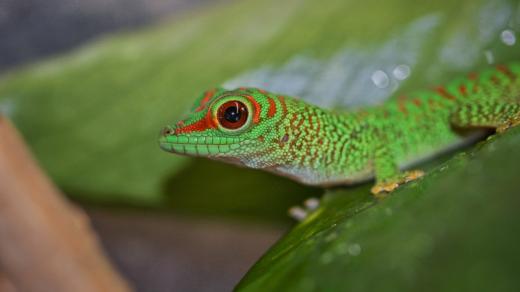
287 136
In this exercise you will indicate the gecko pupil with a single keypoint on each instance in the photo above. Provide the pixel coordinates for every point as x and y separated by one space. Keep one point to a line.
232 115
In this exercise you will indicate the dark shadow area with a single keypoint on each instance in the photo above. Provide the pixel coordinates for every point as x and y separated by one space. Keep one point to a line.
216 188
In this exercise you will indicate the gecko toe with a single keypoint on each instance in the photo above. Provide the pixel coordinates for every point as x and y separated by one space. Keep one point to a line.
381 189
509 124
413 175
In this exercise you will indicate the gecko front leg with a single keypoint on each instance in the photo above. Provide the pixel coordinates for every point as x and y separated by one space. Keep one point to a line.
388 176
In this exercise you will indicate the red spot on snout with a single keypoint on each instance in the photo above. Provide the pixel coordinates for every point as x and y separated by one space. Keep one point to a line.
207 122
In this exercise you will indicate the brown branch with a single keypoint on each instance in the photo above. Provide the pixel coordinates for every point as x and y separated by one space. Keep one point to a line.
6 285
46 244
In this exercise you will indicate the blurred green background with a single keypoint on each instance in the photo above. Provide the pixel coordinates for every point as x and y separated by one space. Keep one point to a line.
92 118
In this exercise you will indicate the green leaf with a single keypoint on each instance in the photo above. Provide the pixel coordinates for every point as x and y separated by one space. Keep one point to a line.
454 230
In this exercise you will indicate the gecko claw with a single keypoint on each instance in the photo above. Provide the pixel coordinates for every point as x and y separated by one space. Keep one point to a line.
509 124
413 175
381 189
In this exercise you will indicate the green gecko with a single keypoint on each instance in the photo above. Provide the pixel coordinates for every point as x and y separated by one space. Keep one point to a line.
287 136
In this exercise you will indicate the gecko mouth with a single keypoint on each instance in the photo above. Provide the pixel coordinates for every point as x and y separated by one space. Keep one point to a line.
198 145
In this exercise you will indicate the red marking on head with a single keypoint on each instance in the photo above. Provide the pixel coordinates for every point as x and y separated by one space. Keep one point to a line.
282 102
272 107
262 91
463 90
284 110
207 96
442 92
505 70
473 76
417 101
258 108
207 122
261 138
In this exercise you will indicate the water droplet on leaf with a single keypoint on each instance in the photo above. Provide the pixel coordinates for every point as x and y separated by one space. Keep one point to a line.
380 79
401 72
326 258
354 249
331 237
508 37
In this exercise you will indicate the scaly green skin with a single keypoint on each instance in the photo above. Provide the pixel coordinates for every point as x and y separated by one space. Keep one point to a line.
315 146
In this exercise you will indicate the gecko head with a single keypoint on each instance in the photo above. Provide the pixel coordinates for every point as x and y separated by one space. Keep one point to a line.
225 125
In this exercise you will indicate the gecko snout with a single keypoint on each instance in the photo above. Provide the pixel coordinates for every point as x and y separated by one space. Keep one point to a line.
167 131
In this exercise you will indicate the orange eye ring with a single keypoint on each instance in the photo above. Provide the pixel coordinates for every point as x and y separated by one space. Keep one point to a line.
232 115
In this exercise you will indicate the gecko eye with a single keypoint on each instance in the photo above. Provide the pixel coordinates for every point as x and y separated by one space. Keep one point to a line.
232 114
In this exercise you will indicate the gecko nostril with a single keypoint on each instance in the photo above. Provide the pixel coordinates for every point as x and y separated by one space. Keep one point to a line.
167 131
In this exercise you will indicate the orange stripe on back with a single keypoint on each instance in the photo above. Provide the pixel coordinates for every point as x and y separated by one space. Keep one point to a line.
463 90
505 70
442 92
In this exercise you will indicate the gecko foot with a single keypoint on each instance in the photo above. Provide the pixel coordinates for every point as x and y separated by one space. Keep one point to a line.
381 189
513 122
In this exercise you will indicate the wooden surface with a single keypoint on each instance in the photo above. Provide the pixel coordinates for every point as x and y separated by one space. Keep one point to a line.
46 243
5 284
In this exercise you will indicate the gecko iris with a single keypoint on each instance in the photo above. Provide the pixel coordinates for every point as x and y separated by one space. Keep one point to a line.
258 129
